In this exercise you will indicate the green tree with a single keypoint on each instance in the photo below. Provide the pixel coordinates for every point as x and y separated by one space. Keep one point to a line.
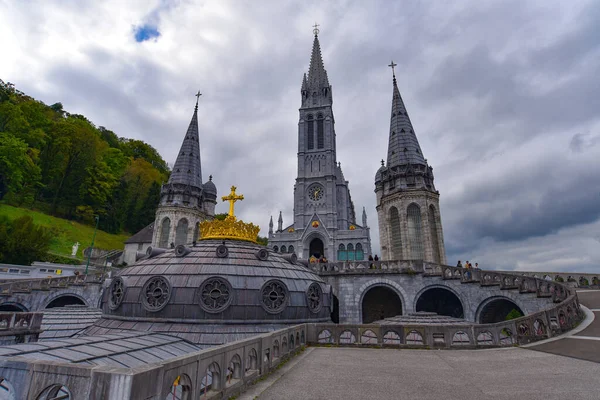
22 241
19 173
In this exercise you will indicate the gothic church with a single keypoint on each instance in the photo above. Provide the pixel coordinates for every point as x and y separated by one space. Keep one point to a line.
324 216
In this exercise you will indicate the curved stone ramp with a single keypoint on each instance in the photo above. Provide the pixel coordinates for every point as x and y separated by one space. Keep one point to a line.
585 344
500 374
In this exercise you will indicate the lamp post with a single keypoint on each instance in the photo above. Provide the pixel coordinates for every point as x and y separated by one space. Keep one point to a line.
92 246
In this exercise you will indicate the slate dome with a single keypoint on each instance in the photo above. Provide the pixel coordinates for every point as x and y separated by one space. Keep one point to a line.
212 293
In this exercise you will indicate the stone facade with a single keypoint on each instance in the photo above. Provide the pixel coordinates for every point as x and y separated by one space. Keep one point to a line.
408 210
324 216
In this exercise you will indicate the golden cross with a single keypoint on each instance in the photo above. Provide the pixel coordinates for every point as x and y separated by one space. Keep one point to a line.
232 198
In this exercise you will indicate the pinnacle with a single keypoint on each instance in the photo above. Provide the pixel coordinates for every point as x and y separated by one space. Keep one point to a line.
187 169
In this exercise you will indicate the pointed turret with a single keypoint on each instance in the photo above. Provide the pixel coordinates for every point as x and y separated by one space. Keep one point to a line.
187 169
403 147
280 223
364 218
271 226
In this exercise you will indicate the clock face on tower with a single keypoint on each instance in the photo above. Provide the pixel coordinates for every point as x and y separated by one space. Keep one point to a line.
315 192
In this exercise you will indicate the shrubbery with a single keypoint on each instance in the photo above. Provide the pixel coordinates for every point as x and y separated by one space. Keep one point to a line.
22 241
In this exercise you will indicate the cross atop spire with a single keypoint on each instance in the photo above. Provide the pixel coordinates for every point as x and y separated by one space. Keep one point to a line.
187 169
316 29
392 65
197 98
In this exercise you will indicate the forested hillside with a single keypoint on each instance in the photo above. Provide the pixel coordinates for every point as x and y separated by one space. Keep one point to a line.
64 165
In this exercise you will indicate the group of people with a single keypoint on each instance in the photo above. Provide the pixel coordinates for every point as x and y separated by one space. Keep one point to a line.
314 260
371 258
467 265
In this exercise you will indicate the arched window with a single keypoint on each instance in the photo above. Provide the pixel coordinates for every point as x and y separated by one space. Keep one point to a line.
196 232
165 229
283 249
434 235
310 133
291 249
350 251
276 249
181 232
415 236
395 235
360 255
342 253
320 132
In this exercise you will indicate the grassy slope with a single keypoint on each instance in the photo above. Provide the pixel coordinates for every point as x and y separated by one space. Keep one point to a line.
66 232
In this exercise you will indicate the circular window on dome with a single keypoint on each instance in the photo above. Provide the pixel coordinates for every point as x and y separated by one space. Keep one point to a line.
117 293
314 297
156 293
274 296
215 295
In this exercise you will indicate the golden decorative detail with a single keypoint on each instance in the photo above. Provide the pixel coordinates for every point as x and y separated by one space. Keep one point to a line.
315 224
352 227
232 198
291 230
230 227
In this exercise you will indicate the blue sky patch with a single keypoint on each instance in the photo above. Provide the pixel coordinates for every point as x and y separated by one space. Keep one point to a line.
145 32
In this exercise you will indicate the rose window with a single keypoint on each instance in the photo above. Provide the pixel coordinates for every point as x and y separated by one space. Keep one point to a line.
274 296
156 293
314 294
215 295
117 293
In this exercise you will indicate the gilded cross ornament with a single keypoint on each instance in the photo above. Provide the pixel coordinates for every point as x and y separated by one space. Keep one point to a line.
232 198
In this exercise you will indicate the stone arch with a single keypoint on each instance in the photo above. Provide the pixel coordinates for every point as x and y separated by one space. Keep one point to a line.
374 309
415 231
358 298
181 388
433 232
181 232
65 299
395 234
11 306
251 361
212 379
276 348
440 299
234 369
196 232
495 309
310 239
56 391
165 231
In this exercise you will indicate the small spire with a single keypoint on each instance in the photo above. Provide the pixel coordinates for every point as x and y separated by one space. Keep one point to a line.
364 218
271 225
188 170
280 223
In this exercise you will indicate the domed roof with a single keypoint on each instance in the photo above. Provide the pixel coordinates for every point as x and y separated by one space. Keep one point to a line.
379 174
214 292
210 188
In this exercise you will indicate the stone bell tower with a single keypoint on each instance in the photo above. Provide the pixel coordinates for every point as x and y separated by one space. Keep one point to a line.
184 200
410 225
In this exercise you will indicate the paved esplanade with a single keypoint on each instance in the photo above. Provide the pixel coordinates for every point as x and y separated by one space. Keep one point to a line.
509 373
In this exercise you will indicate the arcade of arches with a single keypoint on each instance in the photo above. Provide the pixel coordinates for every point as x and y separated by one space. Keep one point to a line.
380 302
441 301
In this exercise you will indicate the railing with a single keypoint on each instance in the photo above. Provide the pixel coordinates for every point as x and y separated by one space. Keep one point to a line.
530 328
26 286
19 323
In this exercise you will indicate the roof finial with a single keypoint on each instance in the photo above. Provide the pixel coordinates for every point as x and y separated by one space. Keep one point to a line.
382 162
393 64
197 98
210 178
316 29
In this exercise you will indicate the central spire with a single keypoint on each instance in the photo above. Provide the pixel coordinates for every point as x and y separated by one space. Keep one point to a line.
316 90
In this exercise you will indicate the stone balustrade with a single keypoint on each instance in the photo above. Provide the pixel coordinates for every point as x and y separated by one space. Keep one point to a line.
19 327
28 285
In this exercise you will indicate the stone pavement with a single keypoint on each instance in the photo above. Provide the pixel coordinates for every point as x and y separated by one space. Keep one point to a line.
538 372
503 374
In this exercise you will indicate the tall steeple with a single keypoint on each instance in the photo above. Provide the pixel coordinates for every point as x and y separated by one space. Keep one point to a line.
271 225
280 223
316 90
403 146
187 169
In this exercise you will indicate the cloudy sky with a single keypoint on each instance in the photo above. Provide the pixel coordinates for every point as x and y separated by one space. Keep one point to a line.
504 97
